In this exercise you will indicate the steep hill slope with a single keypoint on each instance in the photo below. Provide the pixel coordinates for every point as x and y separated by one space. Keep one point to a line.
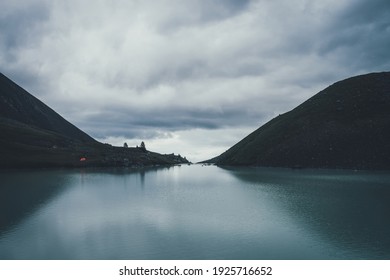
34 135
18 105
346 125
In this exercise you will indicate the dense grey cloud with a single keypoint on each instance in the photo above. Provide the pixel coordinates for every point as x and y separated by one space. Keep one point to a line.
360 35
192 77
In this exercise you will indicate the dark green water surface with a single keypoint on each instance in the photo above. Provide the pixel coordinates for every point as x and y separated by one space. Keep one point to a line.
194 212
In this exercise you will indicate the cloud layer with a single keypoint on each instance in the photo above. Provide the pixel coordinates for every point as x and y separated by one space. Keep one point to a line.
186 76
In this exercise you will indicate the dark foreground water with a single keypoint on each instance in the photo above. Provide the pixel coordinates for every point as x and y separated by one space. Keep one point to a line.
194 212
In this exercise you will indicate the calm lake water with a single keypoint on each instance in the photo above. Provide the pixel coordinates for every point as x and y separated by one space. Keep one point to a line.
194 212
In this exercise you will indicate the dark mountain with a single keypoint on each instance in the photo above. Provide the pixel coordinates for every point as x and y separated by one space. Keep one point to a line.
18 105
346 125
34 135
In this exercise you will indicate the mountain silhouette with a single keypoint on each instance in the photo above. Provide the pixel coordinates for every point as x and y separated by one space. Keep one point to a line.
346 125
34 135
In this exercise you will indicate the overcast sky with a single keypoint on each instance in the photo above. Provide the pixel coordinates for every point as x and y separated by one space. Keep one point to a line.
189 77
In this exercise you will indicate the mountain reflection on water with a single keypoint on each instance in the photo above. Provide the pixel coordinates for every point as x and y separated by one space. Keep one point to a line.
194 212
23 192
348 208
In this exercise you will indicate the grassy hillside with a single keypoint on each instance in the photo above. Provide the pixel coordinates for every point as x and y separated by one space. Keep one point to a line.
34 135
347 125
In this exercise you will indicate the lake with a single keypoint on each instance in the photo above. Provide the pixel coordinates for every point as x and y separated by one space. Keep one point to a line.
194 212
